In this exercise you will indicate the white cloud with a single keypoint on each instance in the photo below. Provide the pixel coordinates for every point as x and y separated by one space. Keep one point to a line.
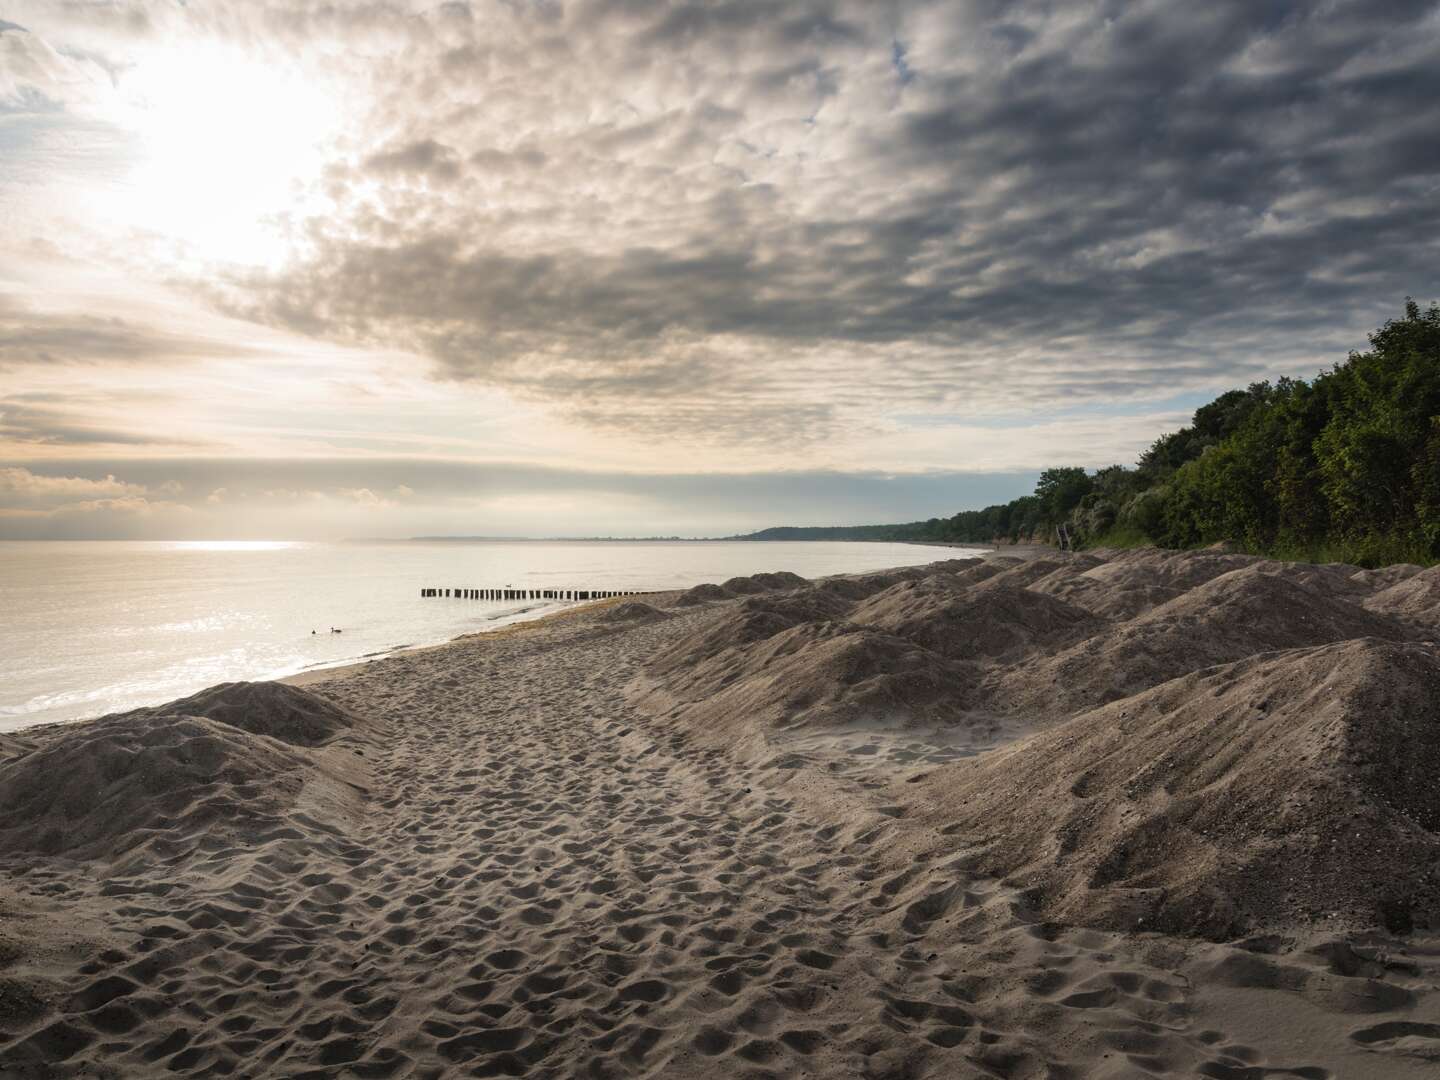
21 485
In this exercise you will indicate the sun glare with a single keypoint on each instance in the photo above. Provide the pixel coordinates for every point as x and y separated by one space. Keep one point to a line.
230 149
231 545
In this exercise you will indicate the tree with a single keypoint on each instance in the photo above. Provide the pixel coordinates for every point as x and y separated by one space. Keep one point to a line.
1351 460
1060 491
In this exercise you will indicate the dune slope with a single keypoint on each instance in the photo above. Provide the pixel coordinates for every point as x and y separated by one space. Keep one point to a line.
1287 787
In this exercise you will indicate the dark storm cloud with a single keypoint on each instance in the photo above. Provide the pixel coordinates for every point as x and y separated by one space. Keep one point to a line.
1014 203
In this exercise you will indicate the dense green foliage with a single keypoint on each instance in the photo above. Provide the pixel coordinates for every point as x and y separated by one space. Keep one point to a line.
1345 466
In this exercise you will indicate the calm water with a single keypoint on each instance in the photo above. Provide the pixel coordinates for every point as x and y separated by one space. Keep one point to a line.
90 628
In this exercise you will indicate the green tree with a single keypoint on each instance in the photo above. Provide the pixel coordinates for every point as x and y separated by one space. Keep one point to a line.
1350 460
1060 491
1373 454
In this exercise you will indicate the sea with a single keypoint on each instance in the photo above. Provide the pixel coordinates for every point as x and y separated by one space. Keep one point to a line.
88 628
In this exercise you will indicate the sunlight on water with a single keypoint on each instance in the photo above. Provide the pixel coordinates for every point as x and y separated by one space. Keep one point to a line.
89 628
230 545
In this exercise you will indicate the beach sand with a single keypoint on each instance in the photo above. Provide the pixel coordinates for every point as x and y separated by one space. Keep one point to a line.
1033 816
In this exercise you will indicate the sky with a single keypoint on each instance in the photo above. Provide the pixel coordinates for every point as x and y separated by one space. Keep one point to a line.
276 268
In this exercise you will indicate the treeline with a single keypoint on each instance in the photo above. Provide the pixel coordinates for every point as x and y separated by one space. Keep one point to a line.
1346 466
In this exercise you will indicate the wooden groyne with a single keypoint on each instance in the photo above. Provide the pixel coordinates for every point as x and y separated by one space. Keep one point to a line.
463 593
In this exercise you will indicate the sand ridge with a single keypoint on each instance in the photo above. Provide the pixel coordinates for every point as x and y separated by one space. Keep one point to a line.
539 854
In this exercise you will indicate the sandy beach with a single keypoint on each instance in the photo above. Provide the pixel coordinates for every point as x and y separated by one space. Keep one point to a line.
1035 816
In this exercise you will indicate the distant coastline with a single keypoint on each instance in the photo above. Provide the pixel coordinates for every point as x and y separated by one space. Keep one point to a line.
779 534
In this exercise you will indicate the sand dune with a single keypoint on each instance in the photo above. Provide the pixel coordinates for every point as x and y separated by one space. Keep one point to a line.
1293 787
819 673
1415 597
767 829
230 760
985 621
1228 617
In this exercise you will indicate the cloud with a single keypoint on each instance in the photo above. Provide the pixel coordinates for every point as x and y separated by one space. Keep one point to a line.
31 336
424 158
796 232
20 485
748 221
38 505
51 426
365 497
59 505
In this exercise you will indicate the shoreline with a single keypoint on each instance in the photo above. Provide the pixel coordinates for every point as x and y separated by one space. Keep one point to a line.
124 649
314 676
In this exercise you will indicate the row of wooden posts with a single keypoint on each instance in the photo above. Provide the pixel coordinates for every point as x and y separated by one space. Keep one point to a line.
529 594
